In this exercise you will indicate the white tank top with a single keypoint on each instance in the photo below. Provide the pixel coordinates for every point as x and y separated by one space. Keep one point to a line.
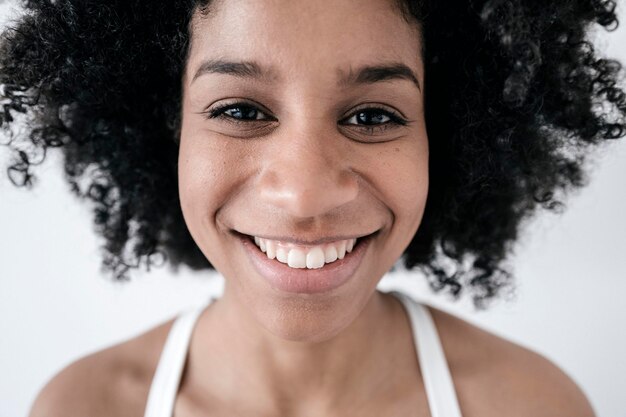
440 391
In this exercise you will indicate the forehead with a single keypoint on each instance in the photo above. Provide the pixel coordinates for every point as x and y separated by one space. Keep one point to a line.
299 36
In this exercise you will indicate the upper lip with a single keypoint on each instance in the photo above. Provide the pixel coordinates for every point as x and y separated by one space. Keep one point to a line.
309 242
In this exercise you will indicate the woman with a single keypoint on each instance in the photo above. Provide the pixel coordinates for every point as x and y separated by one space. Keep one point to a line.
306 147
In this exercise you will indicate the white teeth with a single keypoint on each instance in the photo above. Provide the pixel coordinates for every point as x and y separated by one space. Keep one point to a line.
312 257
315 258
296 258
341 249
271 249
330 254
281 255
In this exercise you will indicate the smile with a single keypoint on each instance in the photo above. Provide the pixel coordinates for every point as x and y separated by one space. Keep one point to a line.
300 256
306 268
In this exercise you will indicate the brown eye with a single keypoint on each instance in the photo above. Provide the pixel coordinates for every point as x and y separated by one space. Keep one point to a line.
369 118
238 111
373 117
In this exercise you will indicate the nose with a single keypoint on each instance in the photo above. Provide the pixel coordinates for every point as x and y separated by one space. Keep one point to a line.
308 176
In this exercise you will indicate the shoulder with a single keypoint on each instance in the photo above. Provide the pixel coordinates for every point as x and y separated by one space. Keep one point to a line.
113 381
495 376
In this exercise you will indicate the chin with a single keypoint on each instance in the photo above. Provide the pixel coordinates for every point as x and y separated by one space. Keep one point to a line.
308 321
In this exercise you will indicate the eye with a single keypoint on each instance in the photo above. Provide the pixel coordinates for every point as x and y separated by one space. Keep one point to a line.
369 118
374 120
240 112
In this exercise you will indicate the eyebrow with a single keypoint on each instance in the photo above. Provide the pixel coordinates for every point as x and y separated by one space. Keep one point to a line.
367 74
371 74
245 69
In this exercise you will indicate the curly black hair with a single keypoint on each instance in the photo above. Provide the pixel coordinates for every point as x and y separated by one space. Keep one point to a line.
516 97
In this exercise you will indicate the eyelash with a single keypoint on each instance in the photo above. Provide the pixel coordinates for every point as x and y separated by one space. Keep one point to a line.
395 119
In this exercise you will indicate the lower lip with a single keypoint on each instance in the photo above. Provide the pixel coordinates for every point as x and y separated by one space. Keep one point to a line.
306 281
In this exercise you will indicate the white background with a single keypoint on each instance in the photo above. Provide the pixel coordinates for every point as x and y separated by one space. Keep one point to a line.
56 306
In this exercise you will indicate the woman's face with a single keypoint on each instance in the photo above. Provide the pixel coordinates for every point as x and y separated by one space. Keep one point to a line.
303 125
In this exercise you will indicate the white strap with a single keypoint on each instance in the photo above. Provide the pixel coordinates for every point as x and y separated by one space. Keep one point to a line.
169 370
440 391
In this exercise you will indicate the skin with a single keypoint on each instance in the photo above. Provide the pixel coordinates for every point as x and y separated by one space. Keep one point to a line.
304 175
307 171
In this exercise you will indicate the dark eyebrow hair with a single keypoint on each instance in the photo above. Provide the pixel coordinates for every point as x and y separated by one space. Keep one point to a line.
244 69
370 74
367 74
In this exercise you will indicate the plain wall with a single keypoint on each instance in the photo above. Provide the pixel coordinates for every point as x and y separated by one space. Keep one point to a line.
55 305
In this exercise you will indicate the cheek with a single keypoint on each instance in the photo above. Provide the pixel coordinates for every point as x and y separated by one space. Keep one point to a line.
200 174
209 170
400 173
413 186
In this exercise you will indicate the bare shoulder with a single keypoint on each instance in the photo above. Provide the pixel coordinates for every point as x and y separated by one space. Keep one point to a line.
112 382
494 376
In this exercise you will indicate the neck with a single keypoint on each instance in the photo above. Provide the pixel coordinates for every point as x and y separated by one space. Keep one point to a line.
287 377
